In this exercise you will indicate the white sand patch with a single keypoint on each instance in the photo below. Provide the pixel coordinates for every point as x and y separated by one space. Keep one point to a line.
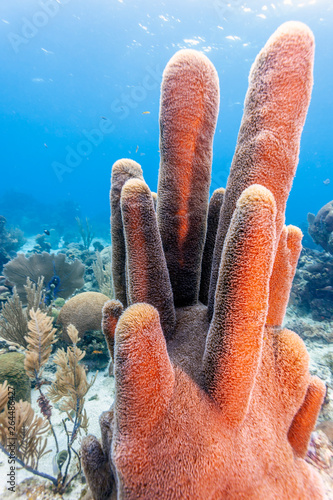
98 399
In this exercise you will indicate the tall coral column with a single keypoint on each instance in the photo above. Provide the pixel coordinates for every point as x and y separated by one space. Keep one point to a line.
212 402
187 126
275 108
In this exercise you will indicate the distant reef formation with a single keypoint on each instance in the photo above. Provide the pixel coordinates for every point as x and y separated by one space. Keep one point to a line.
321 227
10 241
312 290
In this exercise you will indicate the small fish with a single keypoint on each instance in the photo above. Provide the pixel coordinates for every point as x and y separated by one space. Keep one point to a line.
45 145
328 288
146 112
97 352
137 149
326 181
103 118
47 51
46 231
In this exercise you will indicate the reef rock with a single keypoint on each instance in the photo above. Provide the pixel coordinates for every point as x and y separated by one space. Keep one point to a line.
321 227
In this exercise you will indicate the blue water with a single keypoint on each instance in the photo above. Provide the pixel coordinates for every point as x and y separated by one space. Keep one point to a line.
78 69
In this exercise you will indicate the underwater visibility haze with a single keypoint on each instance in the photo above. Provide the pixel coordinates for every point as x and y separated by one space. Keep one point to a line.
81 83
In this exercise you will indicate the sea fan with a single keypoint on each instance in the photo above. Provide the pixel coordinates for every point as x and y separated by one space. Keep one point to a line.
64 277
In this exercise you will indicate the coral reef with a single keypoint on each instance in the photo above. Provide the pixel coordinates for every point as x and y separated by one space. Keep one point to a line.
211 401
321 227
320 455
312 290
32 216
94 345
61 278
18 421
84 311
102 273
12 369
92 282
42 245
14 317
308 328
10 241
85 232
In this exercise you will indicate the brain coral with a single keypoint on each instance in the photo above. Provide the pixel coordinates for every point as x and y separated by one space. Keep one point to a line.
12 369
84 311
214 399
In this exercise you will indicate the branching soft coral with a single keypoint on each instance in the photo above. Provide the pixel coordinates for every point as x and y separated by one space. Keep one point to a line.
211 401
71 385
22 433
39 343
14 318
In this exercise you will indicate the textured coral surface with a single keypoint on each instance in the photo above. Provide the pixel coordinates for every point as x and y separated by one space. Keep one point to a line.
84 311
214 399
321 227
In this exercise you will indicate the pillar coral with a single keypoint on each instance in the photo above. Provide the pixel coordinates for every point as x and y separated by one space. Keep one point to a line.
210 403
275 108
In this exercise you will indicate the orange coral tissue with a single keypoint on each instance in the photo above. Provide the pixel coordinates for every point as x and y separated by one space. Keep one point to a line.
214 399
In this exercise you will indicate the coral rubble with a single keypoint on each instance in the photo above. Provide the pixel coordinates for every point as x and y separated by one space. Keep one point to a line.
211 401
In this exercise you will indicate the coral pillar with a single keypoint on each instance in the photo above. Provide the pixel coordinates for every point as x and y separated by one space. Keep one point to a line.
275 108
219 409
187 125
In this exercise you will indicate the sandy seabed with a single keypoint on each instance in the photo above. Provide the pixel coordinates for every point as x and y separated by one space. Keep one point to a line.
28 486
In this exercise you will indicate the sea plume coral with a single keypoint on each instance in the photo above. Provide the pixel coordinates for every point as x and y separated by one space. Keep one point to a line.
29 435
14 317
211 402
